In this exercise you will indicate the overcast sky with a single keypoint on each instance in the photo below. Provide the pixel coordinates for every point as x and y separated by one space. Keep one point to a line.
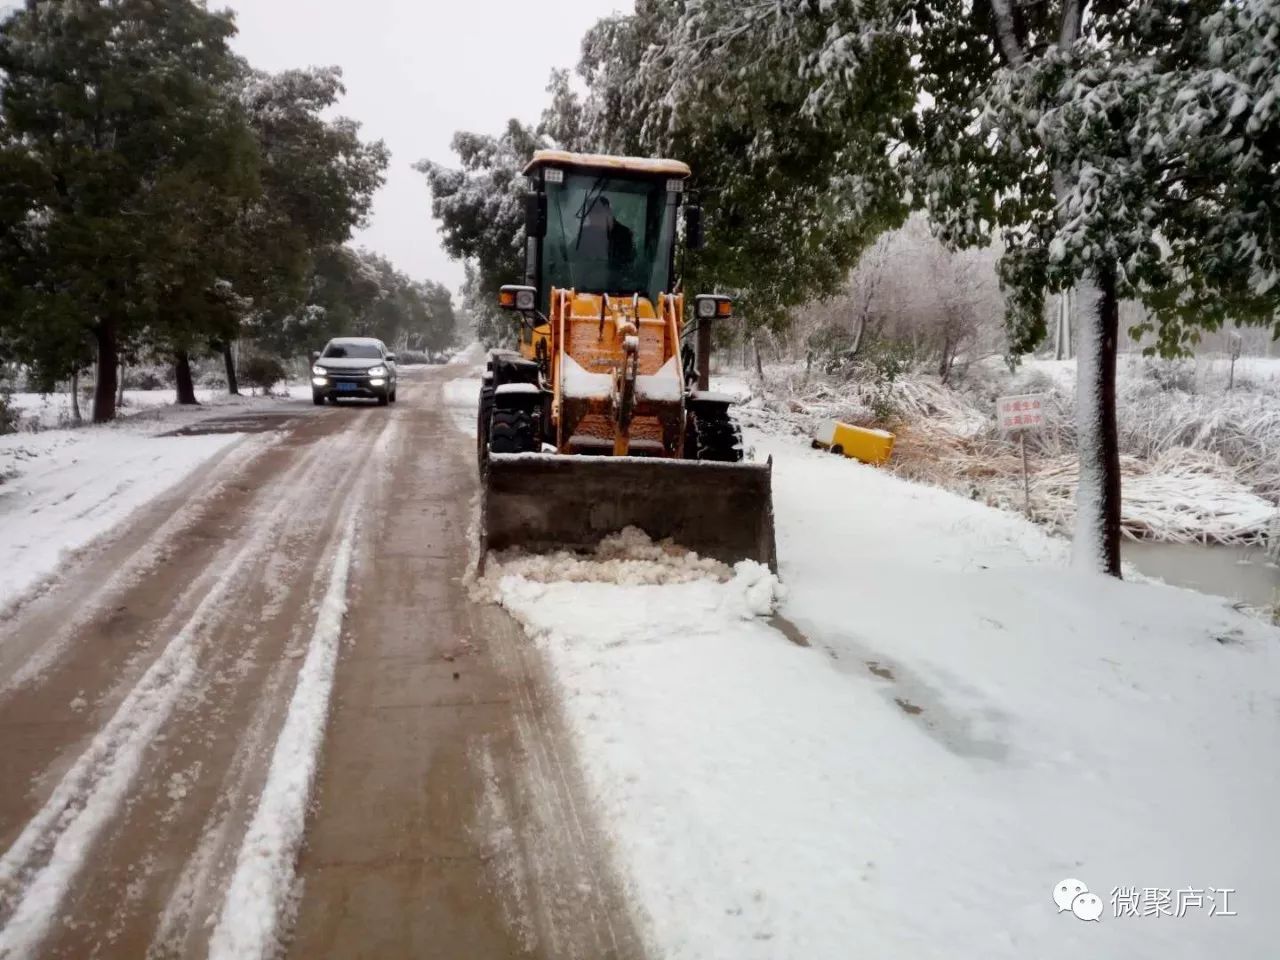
416 71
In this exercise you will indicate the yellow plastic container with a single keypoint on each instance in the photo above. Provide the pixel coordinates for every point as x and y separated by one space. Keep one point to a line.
860 443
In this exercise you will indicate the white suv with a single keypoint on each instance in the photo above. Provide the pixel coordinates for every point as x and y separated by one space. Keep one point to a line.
353 367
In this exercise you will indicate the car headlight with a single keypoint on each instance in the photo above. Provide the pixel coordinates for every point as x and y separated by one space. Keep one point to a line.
378 371
319 371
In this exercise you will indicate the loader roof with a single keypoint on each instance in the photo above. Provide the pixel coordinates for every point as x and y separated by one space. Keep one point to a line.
603 161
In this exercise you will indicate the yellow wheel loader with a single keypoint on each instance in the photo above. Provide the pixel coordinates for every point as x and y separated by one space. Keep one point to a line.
602 418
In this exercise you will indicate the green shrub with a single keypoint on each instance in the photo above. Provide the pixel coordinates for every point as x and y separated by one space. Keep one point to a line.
261 372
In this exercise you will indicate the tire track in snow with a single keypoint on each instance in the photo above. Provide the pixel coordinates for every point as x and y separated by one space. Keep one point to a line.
263 875
41 864
261 886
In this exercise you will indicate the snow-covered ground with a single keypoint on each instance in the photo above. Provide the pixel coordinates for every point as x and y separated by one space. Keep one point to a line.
60 489
971 724
45 411
1201 463
461 396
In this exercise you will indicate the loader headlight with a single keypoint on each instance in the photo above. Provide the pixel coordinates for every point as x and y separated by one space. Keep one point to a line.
517 297
711 306
319 371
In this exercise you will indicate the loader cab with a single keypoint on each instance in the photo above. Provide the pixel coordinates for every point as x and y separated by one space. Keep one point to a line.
601 224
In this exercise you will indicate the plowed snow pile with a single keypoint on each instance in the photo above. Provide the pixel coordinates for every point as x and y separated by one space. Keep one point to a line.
628 558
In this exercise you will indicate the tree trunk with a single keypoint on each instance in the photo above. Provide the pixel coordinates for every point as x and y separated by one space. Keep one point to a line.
182 373
859 328
233 385
104 390
1097 536
120 385
75 397
759 367
1062 345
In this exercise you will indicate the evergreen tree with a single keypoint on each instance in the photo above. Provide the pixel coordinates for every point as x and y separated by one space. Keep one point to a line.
107 112
317 184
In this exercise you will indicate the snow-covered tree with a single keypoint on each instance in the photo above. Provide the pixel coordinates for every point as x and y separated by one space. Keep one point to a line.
1123 148
481 209
911 290
1127 150
791 199
317 181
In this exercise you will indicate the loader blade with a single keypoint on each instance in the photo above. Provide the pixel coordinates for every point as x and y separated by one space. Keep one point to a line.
543 503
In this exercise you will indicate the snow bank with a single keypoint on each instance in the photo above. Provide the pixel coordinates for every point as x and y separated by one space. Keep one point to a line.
47 411
972 723
1229 442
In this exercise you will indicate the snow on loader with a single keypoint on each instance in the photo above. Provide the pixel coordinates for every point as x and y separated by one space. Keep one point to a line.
602 418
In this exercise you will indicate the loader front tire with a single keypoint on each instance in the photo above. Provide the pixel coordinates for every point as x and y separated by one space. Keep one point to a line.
715 437
512 432
483 424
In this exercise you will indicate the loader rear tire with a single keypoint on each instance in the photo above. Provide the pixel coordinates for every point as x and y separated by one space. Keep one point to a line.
512 432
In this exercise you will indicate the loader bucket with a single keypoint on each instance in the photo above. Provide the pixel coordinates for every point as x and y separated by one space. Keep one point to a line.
543 503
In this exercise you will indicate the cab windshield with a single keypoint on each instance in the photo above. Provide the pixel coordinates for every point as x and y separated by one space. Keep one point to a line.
609 235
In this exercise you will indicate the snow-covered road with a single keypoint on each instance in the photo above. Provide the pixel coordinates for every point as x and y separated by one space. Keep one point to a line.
261 715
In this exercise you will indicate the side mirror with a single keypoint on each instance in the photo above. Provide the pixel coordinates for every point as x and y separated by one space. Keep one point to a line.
391 357
315 355
693 237
535 214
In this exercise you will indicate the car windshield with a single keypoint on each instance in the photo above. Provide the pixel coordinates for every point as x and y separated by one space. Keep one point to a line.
353 351
609 235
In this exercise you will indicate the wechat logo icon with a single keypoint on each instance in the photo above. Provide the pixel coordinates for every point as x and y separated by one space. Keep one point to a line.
1074 895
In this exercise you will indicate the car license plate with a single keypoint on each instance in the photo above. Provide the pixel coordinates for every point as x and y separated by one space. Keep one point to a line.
346 386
